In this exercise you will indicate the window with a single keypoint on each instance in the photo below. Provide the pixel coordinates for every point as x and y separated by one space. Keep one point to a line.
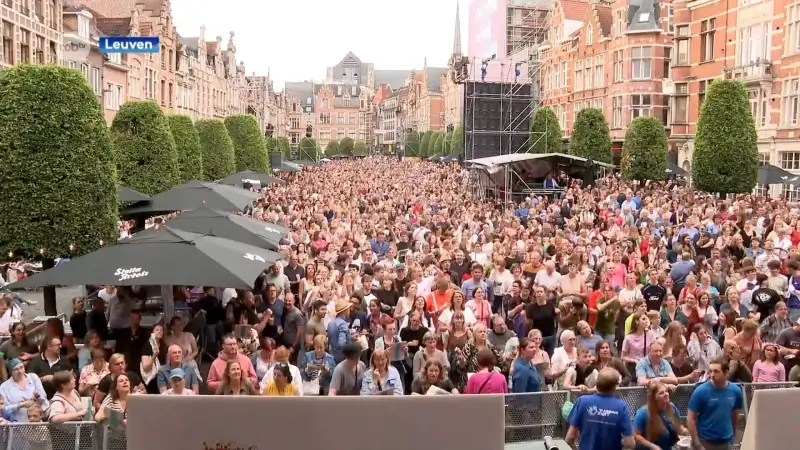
680 103
616 111
114 96
758 106
618 62
701 95
589 35
640 106
83 26
353 90
294 123
340 134
587 74
95 81
340 119
25 47
762 189
8 42
562 119
683 44
325 118
618 18
599 71
351 133
670 18
790 192
578 76
163 92
792 30
38 49
351 118
597 104
150 84
563 74
346 103
667 62
642 61
85 70
790 102
339 89
790 160
115 58
324 103
324 134
754 44
707 40
136 82
294 107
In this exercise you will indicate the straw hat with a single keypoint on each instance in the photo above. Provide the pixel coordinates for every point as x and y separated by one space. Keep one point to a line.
341 305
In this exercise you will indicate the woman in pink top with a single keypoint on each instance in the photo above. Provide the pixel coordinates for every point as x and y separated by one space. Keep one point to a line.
486 380
768 369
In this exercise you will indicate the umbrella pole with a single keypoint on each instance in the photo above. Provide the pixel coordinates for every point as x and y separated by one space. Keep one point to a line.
169 302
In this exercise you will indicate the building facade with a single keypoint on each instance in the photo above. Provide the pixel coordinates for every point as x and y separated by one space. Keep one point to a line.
31 32
351 70
340 110
79 25
609 56
425 101
300 110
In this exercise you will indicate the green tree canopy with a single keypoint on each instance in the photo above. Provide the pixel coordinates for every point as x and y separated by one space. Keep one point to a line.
308 149
332 148
249 147
285 148
546 133
187 145
412 144
725 157
147 160
426 144
438 143
644 153
360 149
457 145
58 171
271 144
346 146
219 159
590 136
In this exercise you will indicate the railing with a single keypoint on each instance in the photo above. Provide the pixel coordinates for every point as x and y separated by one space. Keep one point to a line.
530 417
64 436
754 71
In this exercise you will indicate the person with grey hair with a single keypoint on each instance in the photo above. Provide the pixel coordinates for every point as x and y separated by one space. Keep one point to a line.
276 278
429 352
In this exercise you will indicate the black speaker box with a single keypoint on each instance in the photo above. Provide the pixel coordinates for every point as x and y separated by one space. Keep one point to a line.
275 160
496 118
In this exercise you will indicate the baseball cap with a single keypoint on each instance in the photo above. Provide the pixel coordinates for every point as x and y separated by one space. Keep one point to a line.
177 373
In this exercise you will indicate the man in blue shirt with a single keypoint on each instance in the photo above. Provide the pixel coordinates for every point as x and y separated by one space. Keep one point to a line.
714 409
526 377
603 420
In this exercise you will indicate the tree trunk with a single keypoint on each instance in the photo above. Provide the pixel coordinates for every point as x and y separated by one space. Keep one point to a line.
50 306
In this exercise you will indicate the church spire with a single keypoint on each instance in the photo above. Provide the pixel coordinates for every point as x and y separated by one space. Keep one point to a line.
457 35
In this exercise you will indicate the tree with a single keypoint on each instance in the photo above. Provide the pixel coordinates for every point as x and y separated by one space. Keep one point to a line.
426 144
545 132
309 149
332 148
285 147
457 145
219 159
725 157
590 136
346 147
438 143
271 144
58 171
644 153
147 160
360 149
187 145
412 144
249 147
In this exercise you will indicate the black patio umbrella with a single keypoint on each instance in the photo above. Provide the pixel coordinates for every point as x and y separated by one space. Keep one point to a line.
126 194
246 230
191 195
769 174
249 176
674 169
162 256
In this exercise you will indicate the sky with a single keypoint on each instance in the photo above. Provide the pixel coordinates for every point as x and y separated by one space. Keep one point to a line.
298 39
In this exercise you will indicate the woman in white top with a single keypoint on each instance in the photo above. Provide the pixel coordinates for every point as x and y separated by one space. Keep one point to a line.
564 357
631 292
282 356
457 304
406 302
66 405
264 359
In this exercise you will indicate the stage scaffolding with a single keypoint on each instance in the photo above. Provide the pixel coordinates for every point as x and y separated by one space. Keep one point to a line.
526 34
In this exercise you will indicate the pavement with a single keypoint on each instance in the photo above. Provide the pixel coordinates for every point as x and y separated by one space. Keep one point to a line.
64 296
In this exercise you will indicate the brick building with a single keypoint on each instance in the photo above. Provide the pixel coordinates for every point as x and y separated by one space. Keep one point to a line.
30 31
609 56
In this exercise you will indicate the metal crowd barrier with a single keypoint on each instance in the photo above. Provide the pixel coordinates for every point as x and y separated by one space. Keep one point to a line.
530 417
63 436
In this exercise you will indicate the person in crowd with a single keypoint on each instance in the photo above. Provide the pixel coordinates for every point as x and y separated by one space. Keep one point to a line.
769 369
605 358
673 336
131 340
18 346
92 373
602 420
525 376
460 372
282 356
318 366
657 425
91 340
21 391
654 367
78 320
177 383
154 355
48 362
737 370
587 338
635 345
564 357
582 376
117 365
685 371
116 402
176 335
429 352
714 408
773 324
432 375
175 361
66 404
381 377
235 381
749 342
282 383
230 352
264 358
486 380
499 334
338 329
348 375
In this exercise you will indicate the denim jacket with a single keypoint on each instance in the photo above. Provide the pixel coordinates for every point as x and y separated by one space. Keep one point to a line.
327 359
392 381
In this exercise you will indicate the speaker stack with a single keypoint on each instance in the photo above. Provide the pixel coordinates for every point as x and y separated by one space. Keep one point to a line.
496 118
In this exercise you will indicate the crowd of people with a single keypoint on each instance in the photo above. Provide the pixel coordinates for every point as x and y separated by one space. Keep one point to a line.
397 280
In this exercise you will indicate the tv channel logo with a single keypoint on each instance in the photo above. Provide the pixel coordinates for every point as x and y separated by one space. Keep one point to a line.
129 44
75 49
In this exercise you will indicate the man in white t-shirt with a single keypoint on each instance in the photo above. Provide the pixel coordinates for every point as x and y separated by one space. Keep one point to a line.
548 278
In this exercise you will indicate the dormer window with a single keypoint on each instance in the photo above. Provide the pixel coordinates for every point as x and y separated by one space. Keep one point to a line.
644 17
339 90
83 27
589 35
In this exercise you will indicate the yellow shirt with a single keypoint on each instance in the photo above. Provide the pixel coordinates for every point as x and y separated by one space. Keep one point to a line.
273 391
